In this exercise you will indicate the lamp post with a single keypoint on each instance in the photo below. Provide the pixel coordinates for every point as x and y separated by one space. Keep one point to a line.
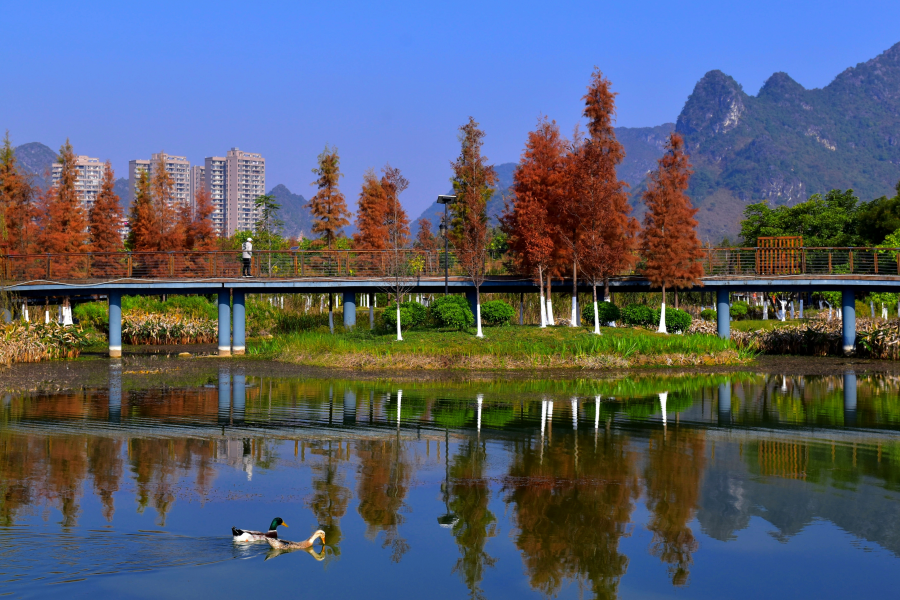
445 233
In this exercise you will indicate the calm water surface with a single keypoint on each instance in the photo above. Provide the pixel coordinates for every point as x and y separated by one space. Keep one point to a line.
740 486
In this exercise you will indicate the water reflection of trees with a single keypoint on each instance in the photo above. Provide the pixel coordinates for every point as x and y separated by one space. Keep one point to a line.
330 496
469 497
673 473
572 505
383 479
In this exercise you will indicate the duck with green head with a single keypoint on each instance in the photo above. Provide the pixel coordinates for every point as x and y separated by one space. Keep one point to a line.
247 535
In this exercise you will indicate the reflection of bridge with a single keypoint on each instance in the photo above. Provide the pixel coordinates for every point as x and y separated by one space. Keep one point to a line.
352 272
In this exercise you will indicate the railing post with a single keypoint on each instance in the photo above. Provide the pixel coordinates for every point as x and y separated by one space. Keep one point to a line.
851 261
301 265
48 267
829 262
294 259
89 264
803 259
129 264
875 256
171 264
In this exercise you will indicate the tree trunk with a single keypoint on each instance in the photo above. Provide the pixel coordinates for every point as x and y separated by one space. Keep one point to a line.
550 301
676 299
596 312
662 314
543 306
399 336
331 313
574 322
478 311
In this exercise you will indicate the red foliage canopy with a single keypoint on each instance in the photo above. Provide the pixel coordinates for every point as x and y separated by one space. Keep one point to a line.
105 216
328 206
669 243
64 226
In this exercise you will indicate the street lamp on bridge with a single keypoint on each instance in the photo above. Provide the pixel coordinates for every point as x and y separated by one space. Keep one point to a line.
446 200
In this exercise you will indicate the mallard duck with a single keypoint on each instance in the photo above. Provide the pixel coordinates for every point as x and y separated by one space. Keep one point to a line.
286 545
246 535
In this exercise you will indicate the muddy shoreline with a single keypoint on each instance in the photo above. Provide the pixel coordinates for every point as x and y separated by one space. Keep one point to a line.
153 367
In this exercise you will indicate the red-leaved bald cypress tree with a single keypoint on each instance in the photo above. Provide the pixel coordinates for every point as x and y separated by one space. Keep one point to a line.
537 193
201 233
371 229
17 209
606 231
105 216
473 181
140 219
669 243
63 222
328 206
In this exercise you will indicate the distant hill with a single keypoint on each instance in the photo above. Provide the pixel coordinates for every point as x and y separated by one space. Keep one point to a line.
788 142
36 159
294 212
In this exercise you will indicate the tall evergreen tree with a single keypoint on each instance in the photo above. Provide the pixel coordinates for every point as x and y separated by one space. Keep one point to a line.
537 193
473 181
328 206
63 222
669 243
105 216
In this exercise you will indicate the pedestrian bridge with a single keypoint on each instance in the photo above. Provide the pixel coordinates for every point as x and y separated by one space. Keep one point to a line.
349 272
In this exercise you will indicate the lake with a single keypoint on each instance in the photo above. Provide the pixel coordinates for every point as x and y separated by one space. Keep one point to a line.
738 485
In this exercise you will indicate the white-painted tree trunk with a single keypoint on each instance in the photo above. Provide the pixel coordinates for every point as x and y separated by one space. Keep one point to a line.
399 405
25 312
663 396
399 336
543 311
573 322
783 309
662 319
478 320
765 311
550 311
480 401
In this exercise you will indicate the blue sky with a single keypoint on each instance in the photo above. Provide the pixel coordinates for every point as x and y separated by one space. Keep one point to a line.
388 82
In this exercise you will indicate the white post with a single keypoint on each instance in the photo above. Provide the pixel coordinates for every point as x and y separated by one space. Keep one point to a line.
662 319
575 414
399 336
663 396
399 405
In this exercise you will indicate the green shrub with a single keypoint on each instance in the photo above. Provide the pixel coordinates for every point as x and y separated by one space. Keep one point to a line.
497 312
93 314
606 312
451 311
739 309
708 314
412 314
638 314
676 320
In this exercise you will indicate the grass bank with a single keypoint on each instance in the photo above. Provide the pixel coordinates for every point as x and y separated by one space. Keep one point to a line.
511 347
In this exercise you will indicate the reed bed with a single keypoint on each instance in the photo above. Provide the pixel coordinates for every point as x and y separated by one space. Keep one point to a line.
140 327
22 342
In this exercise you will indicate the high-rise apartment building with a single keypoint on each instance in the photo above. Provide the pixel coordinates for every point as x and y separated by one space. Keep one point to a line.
234 182
197 175
178 168
90 174
214 180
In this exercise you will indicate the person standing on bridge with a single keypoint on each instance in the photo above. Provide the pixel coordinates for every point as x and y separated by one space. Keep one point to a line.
247 248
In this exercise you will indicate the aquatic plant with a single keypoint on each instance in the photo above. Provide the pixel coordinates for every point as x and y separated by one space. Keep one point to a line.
33 342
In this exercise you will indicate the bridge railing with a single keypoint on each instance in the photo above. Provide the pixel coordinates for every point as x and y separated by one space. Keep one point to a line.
276 264
802 261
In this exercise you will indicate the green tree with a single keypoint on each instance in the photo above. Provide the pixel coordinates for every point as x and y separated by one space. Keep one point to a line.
269 225
828 220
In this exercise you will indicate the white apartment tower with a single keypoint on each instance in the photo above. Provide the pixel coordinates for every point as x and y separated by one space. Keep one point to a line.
197 184
234 182
178 168
90 175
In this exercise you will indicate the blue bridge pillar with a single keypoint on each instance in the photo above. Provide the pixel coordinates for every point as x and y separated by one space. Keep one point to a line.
848 310
115 324
724 407
349 309
239 397
239 323
224 395
723 313
849 398
224 324
115 391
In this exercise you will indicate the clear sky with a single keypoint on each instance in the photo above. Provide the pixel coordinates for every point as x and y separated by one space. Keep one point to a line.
388 82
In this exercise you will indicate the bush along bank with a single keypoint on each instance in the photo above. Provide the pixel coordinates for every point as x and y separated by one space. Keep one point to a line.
33 342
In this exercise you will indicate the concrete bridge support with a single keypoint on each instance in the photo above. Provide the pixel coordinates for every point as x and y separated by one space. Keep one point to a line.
239 397
849 398
848 315
224 390
224 323
239 324
115 324
724 407
349 310
115 391
723 314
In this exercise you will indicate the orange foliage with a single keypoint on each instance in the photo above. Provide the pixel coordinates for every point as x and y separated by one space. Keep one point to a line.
63 221
105 216
328 206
